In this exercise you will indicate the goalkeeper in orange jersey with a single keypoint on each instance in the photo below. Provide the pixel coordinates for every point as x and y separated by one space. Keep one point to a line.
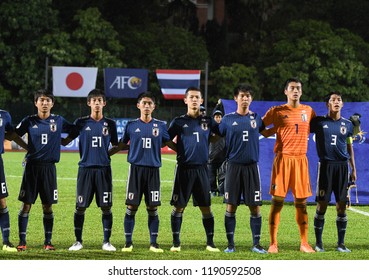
290 170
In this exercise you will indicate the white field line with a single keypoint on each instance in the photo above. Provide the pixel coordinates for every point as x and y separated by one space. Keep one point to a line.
358 211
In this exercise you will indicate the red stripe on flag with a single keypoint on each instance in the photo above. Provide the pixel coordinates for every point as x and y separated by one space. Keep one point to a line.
166 71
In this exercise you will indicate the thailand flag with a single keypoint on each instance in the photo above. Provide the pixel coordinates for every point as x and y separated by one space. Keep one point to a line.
73 81
174 83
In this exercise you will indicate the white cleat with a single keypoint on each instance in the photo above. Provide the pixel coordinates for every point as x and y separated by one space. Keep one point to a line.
76 246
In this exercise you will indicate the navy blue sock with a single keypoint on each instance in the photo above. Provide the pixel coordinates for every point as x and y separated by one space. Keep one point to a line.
79 219
230 225
208 223
129 224
5 224
319 227
107 222
341 223
255 225
48 221
22 226
153 224
176 223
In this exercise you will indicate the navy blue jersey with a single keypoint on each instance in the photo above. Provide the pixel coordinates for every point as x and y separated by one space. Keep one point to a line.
242 137
145 141
192 138
44 137
94 140
5 126
330 137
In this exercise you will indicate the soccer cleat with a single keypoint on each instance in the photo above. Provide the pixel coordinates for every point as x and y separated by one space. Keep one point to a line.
258 249
343 249
21 247
9 247
306 248
154 247
108 247
319 248
49 247
212 248
273 249
175 248
76 246
230 249
127 248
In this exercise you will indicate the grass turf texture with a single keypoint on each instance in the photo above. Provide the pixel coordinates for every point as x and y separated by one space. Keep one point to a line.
192 234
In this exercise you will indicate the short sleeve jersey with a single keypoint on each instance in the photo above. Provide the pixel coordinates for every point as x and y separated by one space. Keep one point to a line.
145 141
5 126
331 136
242 137
193 136
94 140
44 137
292 127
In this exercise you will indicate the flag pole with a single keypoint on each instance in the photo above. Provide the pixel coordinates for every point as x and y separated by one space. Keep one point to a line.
206 86
46 71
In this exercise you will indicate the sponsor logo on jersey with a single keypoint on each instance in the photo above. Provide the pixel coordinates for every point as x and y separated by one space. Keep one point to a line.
88 128
185 125
325 126
234 123
137 130
155 131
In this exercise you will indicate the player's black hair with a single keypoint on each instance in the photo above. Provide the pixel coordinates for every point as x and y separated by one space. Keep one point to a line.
291 80
96 93
192 89
43 92
328 96
147 94
243 88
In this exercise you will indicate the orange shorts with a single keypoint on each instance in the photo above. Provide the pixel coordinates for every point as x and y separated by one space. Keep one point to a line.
290 172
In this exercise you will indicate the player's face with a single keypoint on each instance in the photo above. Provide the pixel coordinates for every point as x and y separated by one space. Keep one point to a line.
335 103
193 100
44 104
293 91
243 99
96 103
146 106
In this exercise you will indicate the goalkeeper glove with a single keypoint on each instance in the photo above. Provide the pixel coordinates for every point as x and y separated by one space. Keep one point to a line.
355 119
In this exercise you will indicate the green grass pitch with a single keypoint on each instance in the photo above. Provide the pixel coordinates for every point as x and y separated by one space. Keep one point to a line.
192 235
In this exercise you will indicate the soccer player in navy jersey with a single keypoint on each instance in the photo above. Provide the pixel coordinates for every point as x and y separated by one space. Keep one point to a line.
96 132
44 139
333 137
241 130
6 132
144 137
192 132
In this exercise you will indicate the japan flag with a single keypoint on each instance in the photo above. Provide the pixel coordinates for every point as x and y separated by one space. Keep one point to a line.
73 81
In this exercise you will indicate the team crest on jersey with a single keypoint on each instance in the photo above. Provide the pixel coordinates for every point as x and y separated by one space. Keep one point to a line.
253 123
131 196
53 126
343 130
1 122
155 131
105 131
304 117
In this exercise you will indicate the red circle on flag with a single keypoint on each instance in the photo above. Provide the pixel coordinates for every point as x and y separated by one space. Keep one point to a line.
74 81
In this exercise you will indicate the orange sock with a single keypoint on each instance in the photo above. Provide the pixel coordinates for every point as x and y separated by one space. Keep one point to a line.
302 220
274 218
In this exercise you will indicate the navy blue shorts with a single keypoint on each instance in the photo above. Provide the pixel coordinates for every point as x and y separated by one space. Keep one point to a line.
332 178
94 181
191 180
39 179
242 180
143 180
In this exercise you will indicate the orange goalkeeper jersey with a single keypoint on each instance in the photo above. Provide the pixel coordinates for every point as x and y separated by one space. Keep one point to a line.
292 126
